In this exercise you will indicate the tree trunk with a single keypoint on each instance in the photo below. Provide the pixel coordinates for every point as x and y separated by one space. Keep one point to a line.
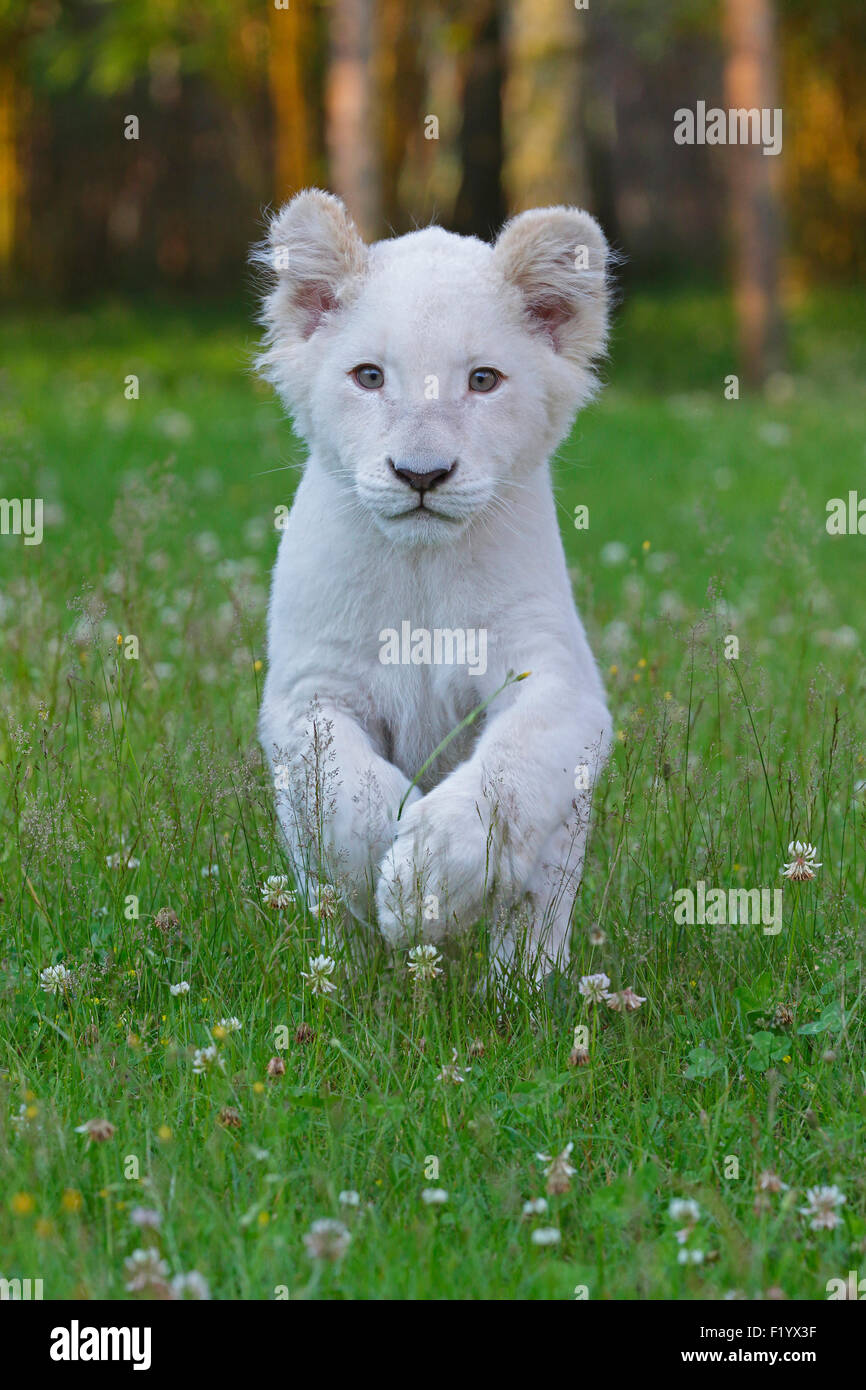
544 154
352 131
480 206
10 177
751 83
288 49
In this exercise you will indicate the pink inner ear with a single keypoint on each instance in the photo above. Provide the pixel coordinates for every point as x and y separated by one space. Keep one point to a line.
549 315
314 300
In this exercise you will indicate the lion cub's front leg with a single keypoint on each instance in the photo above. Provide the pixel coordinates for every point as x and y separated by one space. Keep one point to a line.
337 801
499 826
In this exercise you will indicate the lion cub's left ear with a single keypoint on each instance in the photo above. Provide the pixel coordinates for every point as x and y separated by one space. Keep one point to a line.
558 258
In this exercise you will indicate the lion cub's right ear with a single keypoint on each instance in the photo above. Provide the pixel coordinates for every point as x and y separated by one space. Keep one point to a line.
315 255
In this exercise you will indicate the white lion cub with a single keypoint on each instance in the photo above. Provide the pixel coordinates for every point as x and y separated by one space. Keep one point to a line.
421 570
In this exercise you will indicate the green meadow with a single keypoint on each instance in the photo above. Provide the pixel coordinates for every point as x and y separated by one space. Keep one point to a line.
137 830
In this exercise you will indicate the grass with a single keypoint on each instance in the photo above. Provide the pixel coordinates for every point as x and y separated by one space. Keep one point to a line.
706 521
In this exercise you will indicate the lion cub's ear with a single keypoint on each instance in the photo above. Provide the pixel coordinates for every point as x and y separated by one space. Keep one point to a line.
315 253
557 257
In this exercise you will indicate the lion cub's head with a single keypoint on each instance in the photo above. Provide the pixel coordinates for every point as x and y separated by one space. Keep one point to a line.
432 372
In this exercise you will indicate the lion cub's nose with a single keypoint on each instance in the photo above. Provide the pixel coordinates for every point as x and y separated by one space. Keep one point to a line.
422 481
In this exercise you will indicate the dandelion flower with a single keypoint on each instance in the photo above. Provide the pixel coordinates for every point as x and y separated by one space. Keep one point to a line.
55 978
327 1240
423 963
822 1204
594 987
802 864
321 967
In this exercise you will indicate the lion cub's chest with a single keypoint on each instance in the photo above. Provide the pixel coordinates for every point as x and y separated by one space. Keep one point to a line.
418 707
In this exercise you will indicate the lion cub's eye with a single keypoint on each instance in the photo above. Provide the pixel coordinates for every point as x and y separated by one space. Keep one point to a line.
368 375
484 379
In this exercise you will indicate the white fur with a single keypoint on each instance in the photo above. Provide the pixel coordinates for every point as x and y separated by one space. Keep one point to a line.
497 819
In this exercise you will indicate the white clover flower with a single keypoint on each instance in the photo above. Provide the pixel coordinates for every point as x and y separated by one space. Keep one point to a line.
822 1204
546 1235
122 860
771 1182
349 1199
624 1000
21 1120
276 892
230 1025
451 1072
803 862
327 901
536 1206
684 1209
690 1257
144 1269
206 1059
182 987
210 871
327 1240
146 1218
423 963
321 967
190 1287
98 1131
594 987
55 978
434 1196
560 1171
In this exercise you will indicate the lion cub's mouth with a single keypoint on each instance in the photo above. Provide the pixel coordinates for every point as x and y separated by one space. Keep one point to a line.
421 507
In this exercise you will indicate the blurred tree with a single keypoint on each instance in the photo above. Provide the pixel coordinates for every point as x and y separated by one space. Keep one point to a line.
751 83
544 155
480 206
352 112
10 175
289 46
823 51
402 89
